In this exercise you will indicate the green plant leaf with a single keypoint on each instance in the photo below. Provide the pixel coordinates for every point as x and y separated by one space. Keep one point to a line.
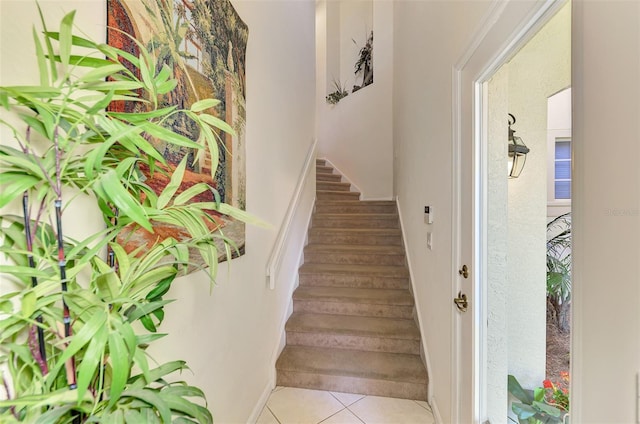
176 403
28 304
547 409
116 194
190 193
66 41
523 411
538 394
78 341
152 398
101 73
217 123
174 184
147 308
91 359
168 135
118 355
516 390
201 105
42 60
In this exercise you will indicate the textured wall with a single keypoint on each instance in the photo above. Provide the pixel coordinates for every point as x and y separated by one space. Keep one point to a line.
540 69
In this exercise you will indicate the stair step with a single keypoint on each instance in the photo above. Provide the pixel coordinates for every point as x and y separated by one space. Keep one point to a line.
370 373
328 177
321 162
331 275
360 236
351 206
390 303
333 186
337 195
324 169
354 254
352 220
354 332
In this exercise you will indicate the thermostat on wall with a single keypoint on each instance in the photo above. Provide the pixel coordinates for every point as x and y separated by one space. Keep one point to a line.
428 215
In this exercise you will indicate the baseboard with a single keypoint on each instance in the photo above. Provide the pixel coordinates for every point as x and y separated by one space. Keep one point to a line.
427 362
262 401
435 410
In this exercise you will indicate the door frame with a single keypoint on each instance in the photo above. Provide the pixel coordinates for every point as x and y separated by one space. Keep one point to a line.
504 29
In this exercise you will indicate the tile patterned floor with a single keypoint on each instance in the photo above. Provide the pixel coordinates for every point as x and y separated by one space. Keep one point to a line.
288 405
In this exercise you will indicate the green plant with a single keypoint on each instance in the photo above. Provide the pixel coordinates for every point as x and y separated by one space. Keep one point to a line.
364 64
337 95
71 347
533 408
557 394
559 268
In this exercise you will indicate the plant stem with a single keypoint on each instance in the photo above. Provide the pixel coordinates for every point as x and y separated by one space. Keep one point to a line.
66 318
41 354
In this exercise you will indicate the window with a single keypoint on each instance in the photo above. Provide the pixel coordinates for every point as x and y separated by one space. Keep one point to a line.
562 169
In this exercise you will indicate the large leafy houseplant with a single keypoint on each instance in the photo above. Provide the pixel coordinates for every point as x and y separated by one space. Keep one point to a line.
80 314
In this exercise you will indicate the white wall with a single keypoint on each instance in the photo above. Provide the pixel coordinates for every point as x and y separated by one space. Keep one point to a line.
356 134
541 68
356 23
606 211
228 337
429 37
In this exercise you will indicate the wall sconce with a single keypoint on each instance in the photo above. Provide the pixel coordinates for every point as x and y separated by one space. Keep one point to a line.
517 151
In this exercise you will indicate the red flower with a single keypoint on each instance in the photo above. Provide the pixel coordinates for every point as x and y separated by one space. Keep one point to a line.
547 384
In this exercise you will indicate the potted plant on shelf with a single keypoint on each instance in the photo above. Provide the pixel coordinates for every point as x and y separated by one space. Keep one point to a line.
71 345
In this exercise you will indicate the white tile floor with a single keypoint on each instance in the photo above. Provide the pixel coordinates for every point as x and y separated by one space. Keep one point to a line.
288 405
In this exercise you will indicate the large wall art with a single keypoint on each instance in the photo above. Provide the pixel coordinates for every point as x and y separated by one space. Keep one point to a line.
204 43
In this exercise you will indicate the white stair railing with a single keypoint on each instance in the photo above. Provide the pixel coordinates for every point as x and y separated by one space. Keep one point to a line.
276 253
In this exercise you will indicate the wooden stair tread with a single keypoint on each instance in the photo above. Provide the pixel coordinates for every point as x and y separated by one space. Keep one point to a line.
354 295
391 328
355 248
373 365
374 270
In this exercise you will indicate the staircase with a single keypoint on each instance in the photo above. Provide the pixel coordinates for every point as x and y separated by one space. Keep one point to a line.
352 328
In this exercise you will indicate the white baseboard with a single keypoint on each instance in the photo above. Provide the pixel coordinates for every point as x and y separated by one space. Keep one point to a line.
435 410
385 198
262 401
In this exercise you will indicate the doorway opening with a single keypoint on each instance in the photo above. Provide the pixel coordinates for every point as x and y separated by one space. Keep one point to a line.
527 221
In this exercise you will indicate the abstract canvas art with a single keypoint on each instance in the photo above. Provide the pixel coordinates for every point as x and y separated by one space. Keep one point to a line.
204 43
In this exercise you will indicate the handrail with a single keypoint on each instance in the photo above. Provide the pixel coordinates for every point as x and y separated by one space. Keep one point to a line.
276 252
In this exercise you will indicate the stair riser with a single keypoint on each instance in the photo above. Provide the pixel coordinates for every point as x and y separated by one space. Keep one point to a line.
341 341
321 237
362 208
336 186
346 195
354 281
355 223
323 169
358 309
402 390
353 258
321 162
328 177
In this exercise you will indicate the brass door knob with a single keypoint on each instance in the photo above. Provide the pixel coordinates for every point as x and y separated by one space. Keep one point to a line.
464 271
461 302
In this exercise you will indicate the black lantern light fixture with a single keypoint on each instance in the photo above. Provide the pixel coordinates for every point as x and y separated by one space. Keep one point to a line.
517 151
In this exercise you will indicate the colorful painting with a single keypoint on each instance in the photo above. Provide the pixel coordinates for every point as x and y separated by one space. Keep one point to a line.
204 42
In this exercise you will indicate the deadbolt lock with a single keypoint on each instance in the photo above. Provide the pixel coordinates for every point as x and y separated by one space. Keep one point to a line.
464 271
461 302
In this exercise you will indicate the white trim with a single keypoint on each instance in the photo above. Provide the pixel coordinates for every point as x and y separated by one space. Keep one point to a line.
435 410
374 199
277 350
415 298
345 178
276 253
262 402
